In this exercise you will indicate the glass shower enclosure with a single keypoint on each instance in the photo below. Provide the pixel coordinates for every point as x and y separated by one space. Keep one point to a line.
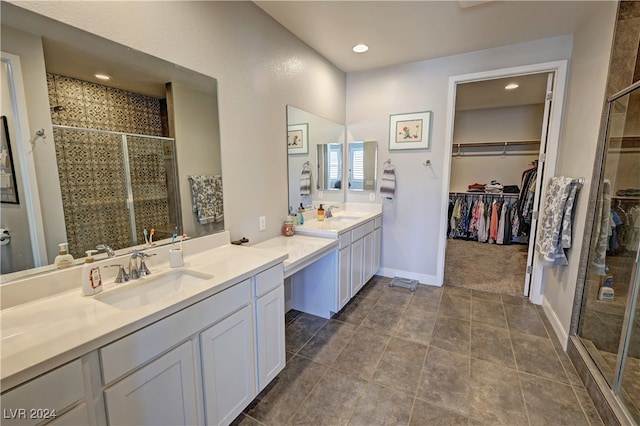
115 186
609 327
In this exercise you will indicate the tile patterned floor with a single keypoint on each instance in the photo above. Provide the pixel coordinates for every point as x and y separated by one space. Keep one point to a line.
438 356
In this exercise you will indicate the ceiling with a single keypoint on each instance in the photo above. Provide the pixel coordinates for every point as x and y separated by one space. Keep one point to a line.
407 31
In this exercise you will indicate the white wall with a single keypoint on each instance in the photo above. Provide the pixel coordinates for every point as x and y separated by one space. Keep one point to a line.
581 122
260 68
411 222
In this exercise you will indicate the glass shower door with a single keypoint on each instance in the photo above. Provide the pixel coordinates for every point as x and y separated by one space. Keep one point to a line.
609 325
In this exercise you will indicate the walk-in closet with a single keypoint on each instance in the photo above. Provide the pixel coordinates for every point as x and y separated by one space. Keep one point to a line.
494 177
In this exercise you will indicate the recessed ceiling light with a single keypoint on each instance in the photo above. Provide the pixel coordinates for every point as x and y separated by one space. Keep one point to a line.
360 48
103 76
512 86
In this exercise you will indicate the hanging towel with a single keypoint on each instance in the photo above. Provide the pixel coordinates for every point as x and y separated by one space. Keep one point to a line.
557 211
206 194
388 184
305 180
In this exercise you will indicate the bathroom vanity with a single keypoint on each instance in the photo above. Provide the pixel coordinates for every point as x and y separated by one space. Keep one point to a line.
197 351
346 256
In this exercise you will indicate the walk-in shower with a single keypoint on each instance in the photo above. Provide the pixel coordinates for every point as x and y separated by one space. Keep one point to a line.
609 330
114 186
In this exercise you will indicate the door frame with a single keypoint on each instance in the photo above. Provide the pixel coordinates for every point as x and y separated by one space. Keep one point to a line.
24 154
550 159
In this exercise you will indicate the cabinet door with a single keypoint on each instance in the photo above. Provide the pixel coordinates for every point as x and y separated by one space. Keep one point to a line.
77 416
228 367
369 250
357 258
344 285
270 336
160 393
377 241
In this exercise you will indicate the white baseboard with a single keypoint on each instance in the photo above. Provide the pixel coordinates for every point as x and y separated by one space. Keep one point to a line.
562 334
422 278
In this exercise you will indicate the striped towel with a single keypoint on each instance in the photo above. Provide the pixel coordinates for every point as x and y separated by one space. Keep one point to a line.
388 184
305 180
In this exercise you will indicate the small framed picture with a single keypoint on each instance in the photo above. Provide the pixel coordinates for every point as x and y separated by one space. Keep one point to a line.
298 138
410 131
8 187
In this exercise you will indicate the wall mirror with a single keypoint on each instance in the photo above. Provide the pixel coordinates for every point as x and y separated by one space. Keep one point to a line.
363 160
119 156
329 160
315 164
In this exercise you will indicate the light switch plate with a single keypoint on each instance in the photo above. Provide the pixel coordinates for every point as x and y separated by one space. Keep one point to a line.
262 222
372 196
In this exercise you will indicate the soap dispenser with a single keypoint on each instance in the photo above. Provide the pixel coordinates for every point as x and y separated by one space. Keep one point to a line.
63 259
320 213
91 279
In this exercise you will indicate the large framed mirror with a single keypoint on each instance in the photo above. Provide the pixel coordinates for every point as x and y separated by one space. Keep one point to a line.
120 157
316 173
363 160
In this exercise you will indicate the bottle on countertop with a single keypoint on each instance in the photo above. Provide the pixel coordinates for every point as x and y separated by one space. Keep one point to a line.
63 259
606 291
91 279
320 213
300 215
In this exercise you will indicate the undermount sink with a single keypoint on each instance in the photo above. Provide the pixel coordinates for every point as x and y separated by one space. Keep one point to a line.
150 289
343 218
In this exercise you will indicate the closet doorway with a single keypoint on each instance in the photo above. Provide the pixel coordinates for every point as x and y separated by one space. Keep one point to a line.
501 135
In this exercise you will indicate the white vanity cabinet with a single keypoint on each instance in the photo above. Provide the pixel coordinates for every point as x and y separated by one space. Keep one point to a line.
162 392
362 255
344 270
270 310
203 364
228 367
40 400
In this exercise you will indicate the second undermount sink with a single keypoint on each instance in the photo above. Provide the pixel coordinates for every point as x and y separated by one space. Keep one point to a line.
343 218
150 289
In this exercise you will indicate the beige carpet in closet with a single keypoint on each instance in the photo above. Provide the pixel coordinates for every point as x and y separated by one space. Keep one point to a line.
486 267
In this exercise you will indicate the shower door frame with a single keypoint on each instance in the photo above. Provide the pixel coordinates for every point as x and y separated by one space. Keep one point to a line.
127 170
615 383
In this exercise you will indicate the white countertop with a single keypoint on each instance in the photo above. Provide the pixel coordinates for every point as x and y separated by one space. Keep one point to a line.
343 220
302 250
41 335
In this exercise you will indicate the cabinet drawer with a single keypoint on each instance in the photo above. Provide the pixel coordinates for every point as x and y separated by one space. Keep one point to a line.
269 279
361 231
345 240
378 222
53 392
131 351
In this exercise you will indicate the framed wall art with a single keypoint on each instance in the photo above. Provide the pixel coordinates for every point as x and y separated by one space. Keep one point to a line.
8 187
410 131
298 138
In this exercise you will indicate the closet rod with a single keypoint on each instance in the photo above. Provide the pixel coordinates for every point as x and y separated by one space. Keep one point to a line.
501 144
489 194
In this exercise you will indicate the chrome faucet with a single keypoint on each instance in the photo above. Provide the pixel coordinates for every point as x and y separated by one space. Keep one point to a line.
107 249
136 271
327 213
143 270
133 270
